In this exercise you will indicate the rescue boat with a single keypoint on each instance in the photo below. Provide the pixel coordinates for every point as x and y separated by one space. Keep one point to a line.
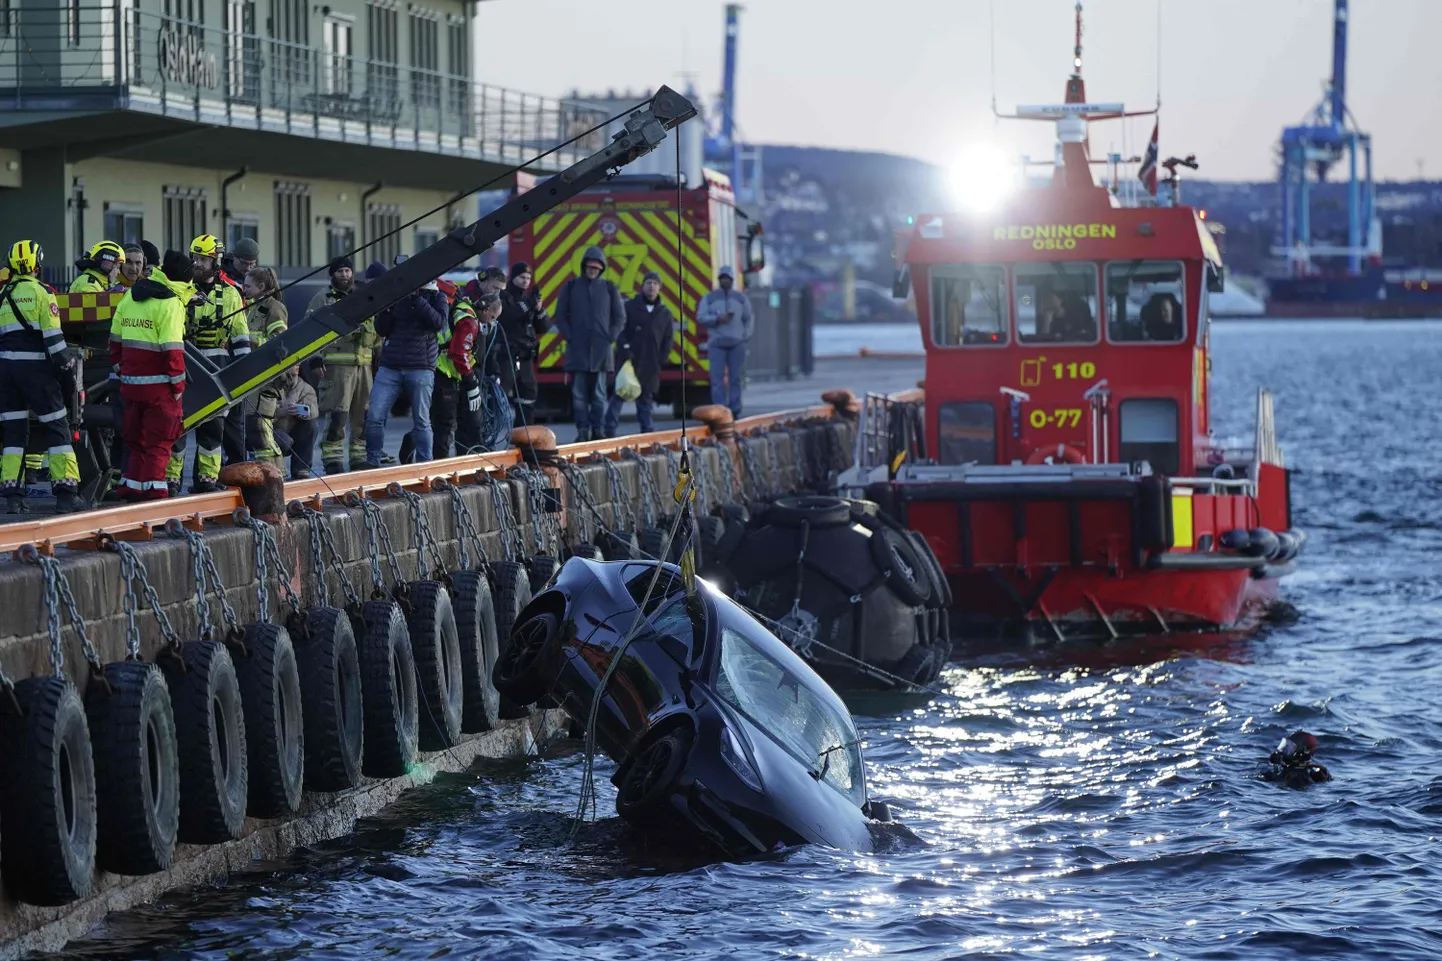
1066 475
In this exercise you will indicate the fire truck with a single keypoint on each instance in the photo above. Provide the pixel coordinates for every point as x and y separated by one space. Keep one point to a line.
633 218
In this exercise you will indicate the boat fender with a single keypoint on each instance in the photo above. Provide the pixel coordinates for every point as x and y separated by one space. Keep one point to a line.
45 860
330 697
1264 543
710 531
542 568
1055 454
1235 540
274 736
615 546
1286 547
817 511
653 544
906 572
883 495
436 647
475 612
388 683
210 734
1154 513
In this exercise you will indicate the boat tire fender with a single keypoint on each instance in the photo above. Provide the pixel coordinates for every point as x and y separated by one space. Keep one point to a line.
210 734
1235 540
436 647
653 543
940 587
388 680
1154 514
274 733
710 532
1264 543
589 551
540 569
475 613
816 511
905 570
331 701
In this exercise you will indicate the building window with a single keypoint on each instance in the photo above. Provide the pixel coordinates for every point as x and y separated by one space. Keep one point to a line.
338 52
184 216
425 237
1056 302
458 85
242 51
124 223
339 240
292 224
241 227
383 50
383 231
425 58
290 43
189 12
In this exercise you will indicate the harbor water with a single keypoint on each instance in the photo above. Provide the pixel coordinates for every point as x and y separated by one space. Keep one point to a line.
1103 803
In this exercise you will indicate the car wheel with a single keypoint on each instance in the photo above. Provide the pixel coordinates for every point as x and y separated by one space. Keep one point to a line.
649 779
524 671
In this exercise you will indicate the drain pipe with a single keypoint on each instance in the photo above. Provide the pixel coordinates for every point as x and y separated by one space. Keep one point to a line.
371 192
225 200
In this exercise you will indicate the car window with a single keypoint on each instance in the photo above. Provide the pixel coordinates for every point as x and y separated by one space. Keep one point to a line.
638 582
809 727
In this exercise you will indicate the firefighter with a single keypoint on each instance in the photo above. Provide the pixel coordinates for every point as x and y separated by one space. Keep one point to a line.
36 370
148 355
267 319
215 323
346 391
99 268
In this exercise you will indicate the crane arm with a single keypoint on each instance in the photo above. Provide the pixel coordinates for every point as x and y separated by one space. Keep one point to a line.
209 391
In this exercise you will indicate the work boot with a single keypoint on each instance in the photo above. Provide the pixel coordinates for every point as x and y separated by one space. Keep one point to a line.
301 474
15 504
34 475
387 459
66 502
173 487
333 467
206 485
583 434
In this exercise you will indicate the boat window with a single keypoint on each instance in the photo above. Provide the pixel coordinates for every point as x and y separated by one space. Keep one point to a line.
968 432
1149 433
1056 302
968 305
1144 302
808 726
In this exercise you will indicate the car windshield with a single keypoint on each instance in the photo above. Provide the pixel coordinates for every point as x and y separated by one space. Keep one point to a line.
810 728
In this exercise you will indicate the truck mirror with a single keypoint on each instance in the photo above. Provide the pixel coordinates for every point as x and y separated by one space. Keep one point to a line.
901 284
755 253
1216 278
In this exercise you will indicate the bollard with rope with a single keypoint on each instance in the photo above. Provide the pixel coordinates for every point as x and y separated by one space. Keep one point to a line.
329 662
435 644
270 686
475 613
388 669
48 817
209 716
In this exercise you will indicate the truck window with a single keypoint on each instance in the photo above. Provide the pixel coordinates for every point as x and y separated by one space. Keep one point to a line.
1145 301
1149 433
967 432
968 305
1056 302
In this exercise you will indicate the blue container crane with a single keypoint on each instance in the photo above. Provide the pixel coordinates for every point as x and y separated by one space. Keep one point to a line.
1319 144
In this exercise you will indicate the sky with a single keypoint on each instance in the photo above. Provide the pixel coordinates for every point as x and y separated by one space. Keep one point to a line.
914 77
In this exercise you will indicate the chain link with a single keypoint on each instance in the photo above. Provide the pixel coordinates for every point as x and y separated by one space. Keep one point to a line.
650 496
426 542
262 567
581 490
620 503
380 533
327 540
533 498
317 551
203 566
128 605
505 521
57 593
728 470
267 558
466 530
750 482
798 455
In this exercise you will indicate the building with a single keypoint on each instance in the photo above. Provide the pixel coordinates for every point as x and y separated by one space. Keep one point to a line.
311 128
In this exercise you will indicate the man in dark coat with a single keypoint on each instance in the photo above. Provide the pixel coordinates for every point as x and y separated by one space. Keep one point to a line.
523 321
590 317
646 342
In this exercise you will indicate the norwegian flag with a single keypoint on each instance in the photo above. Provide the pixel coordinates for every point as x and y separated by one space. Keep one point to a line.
1148 174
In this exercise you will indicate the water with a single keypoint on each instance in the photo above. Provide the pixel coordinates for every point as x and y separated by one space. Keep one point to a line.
1063 811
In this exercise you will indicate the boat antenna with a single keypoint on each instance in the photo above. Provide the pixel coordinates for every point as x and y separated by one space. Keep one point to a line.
1159 54
991 12
1076 62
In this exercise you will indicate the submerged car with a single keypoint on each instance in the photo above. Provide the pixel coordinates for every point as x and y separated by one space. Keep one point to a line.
715 725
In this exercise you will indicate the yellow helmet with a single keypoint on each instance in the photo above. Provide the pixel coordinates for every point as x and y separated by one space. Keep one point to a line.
206 245
106 250
25 257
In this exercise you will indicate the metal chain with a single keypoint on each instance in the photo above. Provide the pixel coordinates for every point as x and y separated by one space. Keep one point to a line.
505 526
197 575
798 455
750 485
426 542
650 496
581 490
327 539
466 530
620 503
773 468
373 547
317 551
262 567
57 592
533 498
265 539
376 525
728 471
231 621
128 605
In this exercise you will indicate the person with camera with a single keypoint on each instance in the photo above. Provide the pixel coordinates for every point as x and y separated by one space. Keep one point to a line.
407 364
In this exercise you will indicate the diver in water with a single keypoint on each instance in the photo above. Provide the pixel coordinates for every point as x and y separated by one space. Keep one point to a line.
1291 763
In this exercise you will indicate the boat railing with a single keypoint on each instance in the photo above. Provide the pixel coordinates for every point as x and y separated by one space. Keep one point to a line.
1267 449
1217 485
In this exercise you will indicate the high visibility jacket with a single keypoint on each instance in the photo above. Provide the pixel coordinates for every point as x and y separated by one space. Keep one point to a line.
218 326
458 342
267 319
89 281
29 321
147 334
353 350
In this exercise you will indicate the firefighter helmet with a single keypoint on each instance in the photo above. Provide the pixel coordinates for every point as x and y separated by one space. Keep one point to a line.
106 250
206 245
25 257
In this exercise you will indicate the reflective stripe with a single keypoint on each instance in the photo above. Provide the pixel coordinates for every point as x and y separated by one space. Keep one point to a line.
241 351
215 351
208 451
53 415
60 449
177 378
12 451
143 485
56 347
23 355
12 325
14 415
144 379
146 345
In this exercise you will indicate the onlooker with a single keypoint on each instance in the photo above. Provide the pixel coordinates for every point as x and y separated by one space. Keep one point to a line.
456 404
590 317
346 389
489 280
523 322
407 364
727 315
294 424
646 342
134 267
242 259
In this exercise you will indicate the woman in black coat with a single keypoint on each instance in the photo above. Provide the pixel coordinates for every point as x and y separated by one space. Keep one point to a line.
646 342
523 322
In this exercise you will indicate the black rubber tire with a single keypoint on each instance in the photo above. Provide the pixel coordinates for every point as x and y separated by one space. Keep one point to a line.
618 545
731 539
475 612
274 729
210 733
817 511
527 666
649 779
710 531
47 795
332 705
436 648
940 586
512 591
918 666
540 569
589 551
909 578
653 543
137 769
758 511
388 682
735 515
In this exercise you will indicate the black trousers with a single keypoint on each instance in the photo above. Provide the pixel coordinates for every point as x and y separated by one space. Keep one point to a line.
520 383
299 443
233 440
456 428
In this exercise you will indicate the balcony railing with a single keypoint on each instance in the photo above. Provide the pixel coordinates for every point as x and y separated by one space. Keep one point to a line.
140 60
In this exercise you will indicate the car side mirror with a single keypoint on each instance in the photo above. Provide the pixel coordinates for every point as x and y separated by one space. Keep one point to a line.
1216 278
901 284
755 251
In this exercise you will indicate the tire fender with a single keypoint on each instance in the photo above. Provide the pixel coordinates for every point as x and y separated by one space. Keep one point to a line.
275 734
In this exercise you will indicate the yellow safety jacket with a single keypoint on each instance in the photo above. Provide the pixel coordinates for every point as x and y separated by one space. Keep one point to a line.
218 326
267 319
90 281
354 350
34 332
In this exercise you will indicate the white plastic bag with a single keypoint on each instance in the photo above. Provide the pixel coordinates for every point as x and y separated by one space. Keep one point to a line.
628 385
